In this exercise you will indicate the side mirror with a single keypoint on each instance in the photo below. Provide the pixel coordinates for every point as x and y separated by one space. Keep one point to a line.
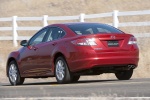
23 43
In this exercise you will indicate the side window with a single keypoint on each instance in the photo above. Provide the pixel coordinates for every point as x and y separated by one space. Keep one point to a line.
55 33
38 37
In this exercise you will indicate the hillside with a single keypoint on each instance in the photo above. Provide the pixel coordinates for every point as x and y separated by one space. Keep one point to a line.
67 7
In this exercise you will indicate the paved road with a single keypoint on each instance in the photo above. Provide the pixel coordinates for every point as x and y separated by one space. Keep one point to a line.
129 88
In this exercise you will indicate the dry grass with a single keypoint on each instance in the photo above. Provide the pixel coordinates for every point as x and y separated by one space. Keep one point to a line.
67 7
29 8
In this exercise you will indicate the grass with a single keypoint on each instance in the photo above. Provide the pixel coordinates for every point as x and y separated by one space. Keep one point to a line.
28 8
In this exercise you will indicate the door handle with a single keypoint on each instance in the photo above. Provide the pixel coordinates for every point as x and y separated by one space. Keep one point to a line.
29 58
54 43
35 48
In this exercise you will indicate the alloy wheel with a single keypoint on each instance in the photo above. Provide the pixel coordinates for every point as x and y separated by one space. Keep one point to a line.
13 73
60 70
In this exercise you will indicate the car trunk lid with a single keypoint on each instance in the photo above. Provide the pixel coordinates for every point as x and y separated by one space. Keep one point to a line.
111 42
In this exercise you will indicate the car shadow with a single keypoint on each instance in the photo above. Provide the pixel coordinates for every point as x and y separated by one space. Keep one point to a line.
78 82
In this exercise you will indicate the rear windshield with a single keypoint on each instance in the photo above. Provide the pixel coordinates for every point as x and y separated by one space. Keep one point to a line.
90 28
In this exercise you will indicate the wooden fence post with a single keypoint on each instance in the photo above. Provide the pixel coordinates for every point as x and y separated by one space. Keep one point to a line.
14 28
81 18
115 19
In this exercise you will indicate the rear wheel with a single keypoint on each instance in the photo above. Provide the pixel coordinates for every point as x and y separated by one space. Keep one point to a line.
124 75
62 72
14 75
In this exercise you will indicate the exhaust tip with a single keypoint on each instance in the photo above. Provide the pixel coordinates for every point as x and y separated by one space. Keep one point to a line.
131 66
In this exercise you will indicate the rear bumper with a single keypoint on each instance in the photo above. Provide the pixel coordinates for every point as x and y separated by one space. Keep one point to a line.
89 62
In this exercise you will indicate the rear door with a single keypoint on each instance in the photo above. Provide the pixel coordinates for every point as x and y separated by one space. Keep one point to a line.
47 49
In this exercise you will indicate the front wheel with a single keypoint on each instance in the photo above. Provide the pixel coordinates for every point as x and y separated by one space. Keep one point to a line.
14 75
62 72
124 75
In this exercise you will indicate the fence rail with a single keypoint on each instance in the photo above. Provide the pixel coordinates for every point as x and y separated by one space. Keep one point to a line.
115 14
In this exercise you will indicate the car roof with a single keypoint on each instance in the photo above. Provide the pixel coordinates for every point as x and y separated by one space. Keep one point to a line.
76 23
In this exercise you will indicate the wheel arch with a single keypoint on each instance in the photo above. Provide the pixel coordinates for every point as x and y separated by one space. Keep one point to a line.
7 65
59 54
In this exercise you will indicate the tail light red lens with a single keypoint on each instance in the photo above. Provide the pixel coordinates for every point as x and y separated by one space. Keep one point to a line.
132 40
85 42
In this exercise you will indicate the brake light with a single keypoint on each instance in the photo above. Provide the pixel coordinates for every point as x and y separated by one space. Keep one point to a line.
132 40
85 42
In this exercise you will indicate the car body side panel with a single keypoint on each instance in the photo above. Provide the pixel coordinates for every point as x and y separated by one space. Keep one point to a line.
45 55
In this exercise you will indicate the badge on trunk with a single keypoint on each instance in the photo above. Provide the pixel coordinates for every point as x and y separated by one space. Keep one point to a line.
113 43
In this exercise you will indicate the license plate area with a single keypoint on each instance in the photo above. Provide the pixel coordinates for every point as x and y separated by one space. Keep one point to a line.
113 43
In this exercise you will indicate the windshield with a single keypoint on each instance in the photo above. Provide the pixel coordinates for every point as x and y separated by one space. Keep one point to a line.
93 28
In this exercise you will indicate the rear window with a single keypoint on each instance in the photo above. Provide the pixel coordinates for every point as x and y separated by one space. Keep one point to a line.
90 28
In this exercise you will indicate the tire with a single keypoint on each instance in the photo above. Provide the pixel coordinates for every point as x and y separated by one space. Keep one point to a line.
124 75
75 78
62 72
14 75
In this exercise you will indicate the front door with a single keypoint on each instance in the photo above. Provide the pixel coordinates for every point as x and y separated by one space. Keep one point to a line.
29 65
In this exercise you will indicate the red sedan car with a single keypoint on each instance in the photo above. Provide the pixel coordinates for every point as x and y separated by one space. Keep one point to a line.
67 51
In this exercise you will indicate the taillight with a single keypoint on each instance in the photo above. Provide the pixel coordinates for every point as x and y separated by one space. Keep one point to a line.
132 40
85 42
